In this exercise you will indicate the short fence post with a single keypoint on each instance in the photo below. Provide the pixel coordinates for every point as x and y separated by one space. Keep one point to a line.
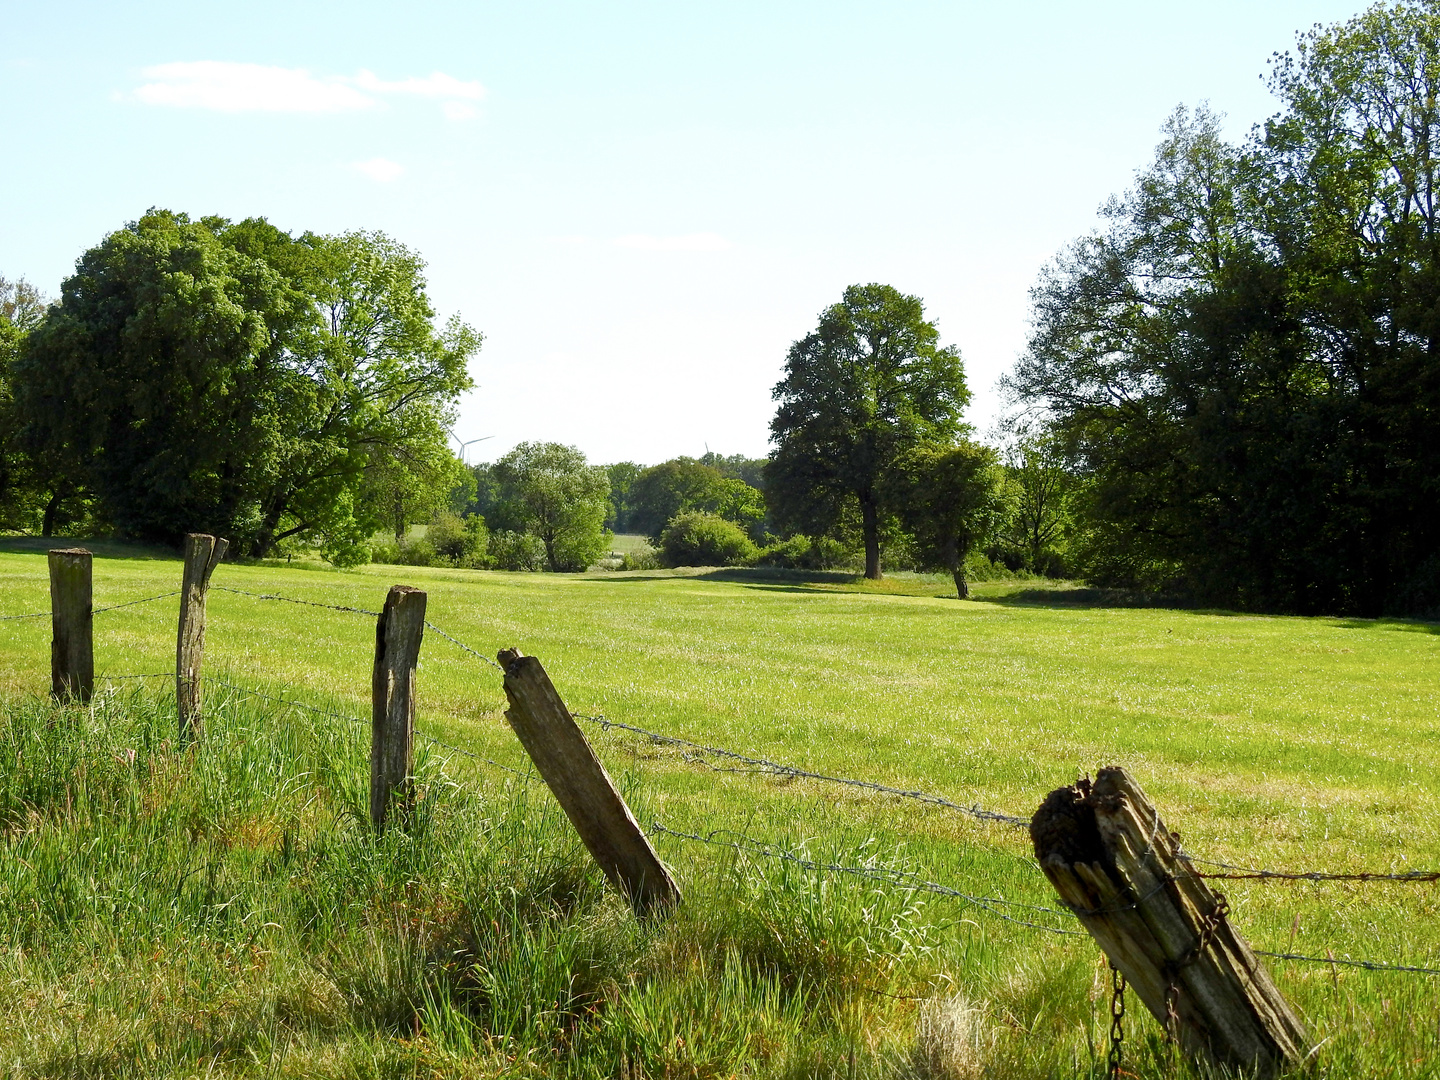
568 764
1113 862
392 732
72 645
202 552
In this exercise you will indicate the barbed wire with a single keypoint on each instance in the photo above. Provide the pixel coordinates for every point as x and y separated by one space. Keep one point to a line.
286 701
781 769
905 878
525 775
1250 873
1368 965
473 652
132 603
292 600
149 675
28 615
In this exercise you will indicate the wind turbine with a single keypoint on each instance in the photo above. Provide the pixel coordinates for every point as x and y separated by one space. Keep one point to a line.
464 446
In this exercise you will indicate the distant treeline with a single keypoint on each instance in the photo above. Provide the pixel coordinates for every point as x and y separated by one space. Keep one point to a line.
1231 391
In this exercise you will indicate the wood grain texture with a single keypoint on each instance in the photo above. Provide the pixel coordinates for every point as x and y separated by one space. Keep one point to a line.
1114 863
398 633
202 552
567 763
72 642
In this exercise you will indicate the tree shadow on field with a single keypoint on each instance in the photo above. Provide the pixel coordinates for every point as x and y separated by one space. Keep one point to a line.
1087 597
102 549
1404 626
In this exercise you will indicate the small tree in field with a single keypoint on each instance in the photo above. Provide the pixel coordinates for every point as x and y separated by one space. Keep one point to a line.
559 499
951 498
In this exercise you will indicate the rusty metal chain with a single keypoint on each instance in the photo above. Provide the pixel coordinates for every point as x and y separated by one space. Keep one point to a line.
1117 1017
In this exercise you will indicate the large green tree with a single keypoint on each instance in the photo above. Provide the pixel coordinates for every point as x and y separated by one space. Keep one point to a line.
235 379
869 383
550 490
25 486
951 499
1245 363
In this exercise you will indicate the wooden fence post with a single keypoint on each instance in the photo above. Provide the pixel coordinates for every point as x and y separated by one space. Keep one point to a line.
72 645
568 764
202 552
392 731
1113 862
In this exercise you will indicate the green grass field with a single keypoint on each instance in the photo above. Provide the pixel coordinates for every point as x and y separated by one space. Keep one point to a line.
225 912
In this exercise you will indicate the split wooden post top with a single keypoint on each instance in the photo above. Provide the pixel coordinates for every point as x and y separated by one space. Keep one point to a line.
72 643
568 765
398 632
1116 865
202 553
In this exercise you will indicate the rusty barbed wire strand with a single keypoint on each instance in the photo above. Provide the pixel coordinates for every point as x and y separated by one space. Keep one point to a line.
132 603
904 878
473 652
28 615
1368 965
292 600
1249 873
780 769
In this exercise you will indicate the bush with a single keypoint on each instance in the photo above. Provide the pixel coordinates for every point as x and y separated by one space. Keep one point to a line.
696 539
640 560
516 551
460 542
806 553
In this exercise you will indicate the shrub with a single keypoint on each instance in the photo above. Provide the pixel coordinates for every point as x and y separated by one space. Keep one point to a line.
640 560
696 539
806 553
516 551
459 542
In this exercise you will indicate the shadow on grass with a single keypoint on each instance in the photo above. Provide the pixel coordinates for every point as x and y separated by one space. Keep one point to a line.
104 549
1086 597
1404 626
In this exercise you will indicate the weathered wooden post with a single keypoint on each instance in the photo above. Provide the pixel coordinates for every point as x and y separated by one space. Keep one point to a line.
72 644
1113 862
202 552
568 764
392 730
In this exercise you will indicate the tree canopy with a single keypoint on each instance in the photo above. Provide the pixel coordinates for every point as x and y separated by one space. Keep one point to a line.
204 375
951 499
556 497
868 384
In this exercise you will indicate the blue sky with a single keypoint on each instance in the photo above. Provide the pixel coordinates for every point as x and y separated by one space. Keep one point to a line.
640 205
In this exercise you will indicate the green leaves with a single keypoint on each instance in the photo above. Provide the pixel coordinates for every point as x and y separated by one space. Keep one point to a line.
867 384
233 379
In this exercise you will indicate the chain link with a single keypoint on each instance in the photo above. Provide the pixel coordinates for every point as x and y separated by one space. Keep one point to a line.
1117 1017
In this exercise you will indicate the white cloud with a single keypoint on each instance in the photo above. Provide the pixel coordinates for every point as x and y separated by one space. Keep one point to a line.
381 170
235 88
706 241
436 85
223 86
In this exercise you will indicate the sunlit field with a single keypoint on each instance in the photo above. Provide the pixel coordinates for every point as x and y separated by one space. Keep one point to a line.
226 911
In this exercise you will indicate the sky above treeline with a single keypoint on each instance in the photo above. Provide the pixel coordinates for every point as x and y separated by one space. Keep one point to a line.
641 205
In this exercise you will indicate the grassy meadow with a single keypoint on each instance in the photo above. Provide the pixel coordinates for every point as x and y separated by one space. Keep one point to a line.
225 911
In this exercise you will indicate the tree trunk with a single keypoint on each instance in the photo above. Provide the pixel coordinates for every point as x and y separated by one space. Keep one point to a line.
48 523
962 588
870 525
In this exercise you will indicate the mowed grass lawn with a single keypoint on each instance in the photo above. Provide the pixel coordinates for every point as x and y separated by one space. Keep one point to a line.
1301 744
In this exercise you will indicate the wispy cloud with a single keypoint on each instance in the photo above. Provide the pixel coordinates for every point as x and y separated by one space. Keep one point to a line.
706 241
223 86
381 170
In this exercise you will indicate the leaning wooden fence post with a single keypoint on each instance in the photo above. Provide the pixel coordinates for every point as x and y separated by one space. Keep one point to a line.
568 764
1113 862
202 552
72 644
392 730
